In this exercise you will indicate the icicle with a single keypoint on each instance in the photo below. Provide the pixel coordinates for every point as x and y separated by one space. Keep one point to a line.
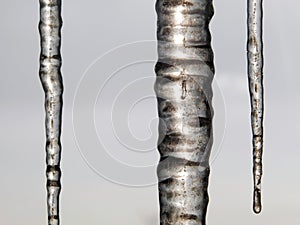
255 76
50 75
183 87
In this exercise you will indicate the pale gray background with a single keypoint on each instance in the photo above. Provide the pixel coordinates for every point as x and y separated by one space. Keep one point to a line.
92 28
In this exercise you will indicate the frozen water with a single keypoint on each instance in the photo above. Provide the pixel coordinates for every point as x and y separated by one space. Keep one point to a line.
184 71
50 75
255 77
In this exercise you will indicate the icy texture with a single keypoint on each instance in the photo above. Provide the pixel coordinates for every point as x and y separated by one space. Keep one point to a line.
255 76
50 75
184 71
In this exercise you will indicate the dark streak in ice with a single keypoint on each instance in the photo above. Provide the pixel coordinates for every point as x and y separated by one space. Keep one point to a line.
184 72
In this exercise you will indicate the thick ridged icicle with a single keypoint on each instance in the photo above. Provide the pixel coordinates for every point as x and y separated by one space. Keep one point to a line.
255 77
50 75
185 72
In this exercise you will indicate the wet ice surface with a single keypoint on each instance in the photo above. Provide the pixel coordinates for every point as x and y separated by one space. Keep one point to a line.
255 78
50 75
183 87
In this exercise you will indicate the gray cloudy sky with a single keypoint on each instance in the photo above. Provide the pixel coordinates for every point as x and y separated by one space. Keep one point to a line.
118 140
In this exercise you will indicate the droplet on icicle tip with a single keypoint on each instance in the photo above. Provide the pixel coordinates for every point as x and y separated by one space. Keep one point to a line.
257 202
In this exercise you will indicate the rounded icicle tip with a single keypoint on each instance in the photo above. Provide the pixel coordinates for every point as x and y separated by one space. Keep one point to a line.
257 207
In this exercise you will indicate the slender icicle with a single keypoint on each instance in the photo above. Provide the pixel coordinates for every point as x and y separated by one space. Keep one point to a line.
185 72
255 76
50 75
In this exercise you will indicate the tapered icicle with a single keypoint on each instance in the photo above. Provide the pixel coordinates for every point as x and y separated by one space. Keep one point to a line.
185 72
255 77
50 75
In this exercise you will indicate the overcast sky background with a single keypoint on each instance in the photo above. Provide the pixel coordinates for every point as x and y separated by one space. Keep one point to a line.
124 107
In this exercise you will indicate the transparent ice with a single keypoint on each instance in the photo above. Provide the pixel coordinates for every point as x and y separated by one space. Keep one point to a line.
184 72
255 78
50 75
